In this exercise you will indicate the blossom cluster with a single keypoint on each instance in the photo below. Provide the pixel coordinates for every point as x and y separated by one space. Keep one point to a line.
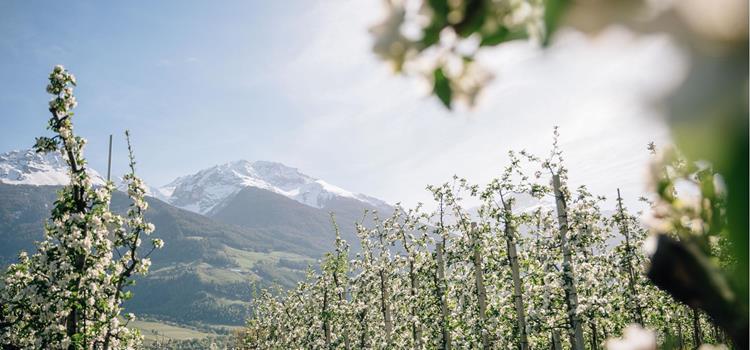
437 40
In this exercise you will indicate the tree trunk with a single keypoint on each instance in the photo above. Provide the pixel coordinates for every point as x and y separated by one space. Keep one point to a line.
363 329
326 319
517 287
446 341
479 280
385 306
638 311
594 336
556 343
342 300
571 295
697 336
416 330
555 334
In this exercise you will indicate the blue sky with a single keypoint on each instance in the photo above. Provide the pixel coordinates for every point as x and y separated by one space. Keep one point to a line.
200 84
194 77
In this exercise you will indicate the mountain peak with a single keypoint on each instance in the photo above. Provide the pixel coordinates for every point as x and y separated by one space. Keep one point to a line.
27 167
204 190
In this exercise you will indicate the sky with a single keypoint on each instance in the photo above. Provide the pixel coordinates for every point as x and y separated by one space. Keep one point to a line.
296 82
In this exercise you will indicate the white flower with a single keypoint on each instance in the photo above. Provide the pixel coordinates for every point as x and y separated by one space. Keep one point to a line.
470 82
390 44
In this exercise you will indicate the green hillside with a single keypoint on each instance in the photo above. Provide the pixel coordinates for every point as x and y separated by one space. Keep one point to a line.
206 271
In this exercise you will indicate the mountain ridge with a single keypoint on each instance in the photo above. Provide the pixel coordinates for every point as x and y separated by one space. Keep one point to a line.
200 192
27 167
204 190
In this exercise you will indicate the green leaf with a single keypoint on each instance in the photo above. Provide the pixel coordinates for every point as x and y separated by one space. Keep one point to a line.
431 34
476 12
495 38
503 35
440 7
443 87
552 14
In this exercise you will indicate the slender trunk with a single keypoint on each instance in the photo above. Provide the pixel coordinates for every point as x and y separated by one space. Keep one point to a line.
73 318
326 319
416 330
342 300
594 336
385 306
479 281
622 220
517 287
446 341
341 256
697 336
363 329
592 322
556 343
571 295
555 334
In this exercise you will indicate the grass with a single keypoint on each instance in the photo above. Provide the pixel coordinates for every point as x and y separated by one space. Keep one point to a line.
153 331
247 259
242 272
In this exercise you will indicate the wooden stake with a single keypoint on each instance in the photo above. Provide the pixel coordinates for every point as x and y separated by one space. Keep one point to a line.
109 159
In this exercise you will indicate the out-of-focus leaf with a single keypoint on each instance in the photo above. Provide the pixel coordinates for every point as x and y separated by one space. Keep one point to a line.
503 35
553 12
440 7
431 34
443 87
474 16
495 38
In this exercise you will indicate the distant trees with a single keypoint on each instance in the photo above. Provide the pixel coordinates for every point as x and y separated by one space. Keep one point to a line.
68 294
551 272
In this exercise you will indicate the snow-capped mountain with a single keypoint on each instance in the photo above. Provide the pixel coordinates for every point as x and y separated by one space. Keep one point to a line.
206 189
27 167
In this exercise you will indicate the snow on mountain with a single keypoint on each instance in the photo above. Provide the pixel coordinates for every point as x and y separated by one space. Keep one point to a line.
205 189
27 167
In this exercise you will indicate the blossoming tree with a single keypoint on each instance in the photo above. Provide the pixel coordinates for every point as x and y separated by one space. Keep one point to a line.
69 294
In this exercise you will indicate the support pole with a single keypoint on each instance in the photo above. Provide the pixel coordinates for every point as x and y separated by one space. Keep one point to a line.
109 159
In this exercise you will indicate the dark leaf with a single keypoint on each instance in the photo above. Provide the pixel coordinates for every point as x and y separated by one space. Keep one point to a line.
495 38
476 12
553 12
502 35
440 7
443 88
431 34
